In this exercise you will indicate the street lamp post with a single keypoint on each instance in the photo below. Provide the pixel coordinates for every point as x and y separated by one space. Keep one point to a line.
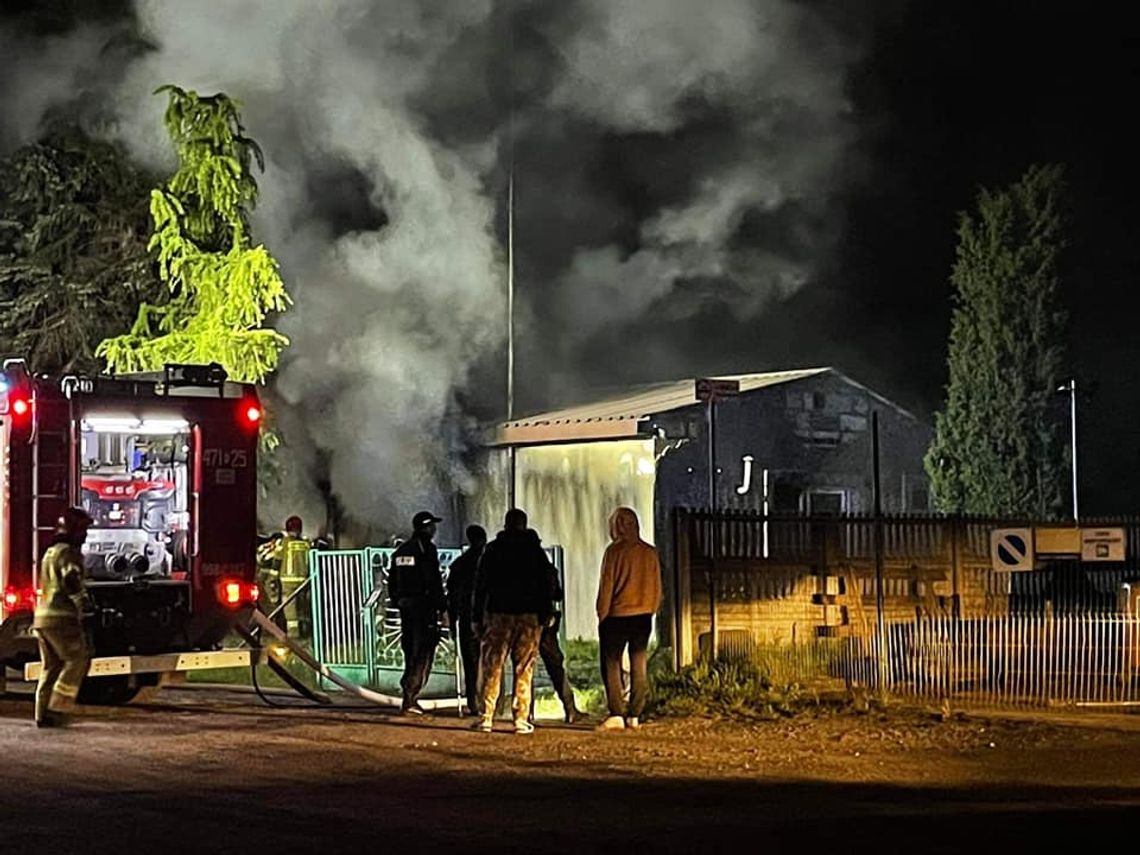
1071 388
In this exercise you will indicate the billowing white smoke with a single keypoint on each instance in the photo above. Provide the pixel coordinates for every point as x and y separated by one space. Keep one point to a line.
387 322
36 75
635 67
390 318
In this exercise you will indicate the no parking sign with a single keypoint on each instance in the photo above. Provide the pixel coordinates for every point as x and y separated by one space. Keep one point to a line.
1011 550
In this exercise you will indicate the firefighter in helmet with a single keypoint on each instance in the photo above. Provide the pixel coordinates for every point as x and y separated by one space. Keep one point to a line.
284 562
58 622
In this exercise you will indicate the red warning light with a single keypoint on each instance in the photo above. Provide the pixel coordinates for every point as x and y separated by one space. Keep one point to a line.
252 414
19 599
230 593
20 406
234 593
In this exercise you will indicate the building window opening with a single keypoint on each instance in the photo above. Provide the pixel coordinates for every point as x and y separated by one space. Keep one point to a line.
826 502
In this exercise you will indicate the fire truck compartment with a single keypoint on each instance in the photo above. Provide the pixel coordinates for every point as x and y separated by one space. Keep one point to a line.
135 484
139 616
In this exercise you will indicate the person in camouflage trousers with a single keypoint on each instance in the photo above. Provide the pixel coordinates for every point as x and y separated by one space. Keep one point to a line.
58 621
512 603
519 636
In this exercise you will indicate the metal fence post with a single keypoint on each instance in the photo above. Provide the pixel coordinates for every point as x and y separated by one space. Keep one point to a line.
881 619
713 525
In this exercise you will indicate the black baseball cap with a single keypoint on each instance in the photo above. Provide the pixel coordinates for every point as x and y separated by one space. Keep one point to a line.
423 518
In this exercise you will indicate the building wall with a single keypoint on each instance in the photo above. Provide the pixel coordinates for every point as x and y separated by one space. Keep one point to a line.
812 435
569 492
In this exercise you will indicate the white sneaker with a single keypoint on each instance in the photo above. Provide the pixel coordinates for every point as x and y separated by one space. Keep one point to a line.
483 725
523 727
632 723
614 722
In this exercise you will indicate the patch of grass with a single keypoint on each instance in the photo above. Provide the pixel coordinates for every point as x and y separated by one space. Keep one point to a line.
729 687
582 663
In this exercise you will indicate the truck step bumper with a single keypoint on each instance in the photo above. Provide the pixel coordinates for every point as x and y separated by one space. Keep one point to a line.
113 666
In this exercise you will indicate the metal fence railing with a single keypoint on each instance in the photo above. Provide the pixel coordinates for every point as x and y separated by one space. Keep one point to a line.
356 628
1090 659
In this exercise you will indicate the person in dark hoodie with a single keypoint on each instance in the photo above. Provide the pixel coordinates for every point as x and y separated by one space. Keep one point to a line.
512 603
460 599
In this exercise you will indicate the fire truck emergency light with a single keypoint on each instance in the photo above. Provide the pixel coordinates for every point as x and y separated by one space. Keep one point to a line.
125 424
234 593
252 414
19 599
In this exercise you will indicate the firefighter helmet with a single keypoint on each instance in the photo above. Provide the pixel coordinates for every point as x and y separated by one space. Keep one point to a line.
293 525
73 523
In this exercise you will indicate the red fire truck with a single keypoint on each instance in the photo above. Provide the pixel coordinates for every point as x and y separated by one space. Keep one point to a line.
166 466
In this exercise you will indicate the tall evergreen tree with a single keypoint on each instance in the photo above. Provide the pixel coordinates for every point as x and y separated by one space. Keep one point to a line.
997 448
221 286
74 264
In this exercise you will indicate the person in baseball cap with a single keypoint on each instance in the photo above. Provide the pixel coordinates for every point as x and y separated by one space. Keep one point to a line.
415 587
423 519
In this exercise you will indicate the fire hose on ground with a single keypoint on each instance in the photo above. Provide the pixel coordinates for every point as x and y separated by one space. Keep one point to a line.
263 622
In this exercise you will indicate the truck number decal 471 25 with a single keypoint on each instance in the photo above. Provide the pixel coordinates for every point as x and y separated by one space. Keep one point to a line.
233 458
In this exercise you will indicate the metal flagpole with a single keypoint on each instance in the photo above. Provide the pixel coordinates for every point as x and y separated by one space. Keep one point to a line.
511 457
511 476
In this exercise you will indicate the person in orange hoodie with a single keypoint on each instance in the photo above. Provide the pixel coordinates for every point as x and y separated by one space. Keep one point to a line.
629 594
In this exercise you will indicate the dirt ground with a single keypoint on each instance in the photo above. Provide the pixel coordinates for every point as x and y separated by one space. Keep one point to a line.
213 771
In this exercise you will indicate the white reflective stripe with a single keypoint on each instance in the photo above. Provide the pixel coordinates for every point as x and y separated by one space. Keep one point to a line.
160 663
405 561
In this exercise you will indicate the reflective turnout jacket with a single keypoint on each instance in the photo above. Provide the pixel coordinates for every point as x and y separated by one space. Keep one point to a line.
63 594
289 555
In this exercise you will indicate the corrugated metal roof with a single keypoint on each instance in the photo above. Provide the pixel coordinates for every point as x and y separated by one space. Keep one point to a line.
619 417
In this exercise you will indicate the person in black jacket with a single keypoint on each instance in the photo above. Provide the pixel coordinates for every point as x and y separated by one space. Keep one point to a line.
512 603
415 585
460 599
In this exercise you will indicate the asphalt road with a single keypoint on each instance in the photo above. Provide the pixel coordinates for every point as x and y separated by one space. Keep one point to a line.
210 771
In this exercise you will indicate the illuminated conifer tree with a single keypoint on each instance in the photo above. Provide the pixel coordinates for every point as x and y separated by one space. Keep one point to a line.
221 287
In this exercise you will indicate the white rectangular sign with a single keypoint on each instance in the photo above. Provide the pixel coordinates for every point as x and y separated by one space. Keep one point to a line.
1102 544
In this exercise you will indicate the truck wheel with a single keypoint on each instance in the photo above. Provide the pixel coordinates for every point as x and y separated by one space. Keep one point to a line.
179 552
108 691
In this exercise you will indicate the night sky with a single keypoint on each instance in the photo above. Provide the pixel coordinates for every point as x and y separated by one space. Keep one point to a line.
945 97
971 93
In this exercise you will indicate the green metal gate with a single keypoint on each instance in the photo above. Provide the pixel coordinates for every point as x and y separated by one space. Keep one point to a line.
356 629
